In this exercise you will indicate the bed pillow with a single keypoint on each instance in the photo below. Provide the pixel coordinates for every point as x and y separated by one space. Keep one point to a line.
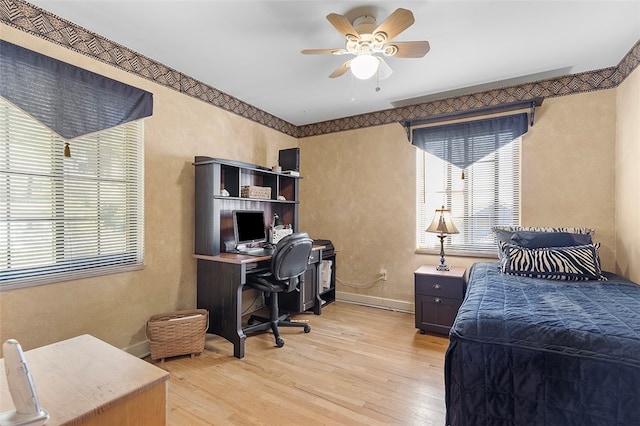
576 263
572 230
526 238
503 236
531 239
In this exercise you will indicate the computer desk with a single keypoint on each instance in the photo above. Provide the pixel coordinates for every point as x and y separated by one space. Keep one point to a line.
221 280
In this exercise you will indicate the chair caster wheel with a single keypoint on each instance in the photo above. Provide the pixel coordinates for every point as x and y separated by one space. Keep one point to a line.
307 329
279 342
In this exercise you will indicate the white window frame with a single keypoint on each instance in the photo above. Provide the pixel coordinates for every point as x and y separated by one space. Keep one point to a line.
65 218
498 172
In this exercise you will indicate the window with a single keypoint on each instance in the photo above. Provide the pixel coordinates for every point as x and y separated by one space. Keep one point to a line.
474 173
62 217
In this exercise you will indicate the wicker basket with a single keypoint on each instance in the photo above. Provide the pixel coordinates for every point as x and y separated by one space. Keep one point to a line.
250 191
177 333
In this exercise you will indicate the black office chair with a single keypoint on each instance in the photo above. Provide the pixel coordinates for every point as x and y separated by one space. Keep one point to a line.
289 261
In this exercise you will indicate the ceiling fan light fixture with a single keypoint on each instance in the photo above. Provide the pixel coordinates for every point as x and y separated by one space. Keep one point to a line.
369 43
364 66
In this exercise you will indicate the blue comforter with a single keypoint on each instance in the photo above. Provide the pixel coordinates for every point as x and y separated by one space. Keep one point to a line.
529 351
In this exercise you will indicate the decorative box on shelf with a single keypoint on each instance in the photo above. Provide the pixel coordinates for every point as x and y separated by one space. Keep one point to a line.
177 333
250 191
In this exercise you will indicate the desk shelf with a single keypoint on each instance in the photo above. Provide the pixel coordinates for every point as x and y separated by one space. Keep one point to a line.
328 294
221 197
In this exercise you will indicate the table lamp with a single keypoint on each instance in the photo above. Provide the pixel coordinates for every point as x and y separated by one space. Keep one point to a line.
443 226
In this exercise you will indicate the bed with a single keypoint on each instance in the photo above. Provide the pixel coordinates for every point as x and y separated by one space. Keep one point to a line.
535 351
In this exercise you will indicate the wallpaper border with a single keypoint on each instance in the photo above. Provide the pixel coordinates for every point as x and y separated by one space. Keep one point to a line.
31 19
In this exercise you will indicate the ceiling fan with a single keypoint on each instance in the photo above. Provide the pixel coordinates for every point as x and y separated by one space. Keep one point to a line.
369 43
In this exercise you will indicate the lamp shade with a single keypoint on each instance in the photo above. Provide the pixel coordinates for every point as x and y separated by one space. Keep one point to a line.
364 66
442 223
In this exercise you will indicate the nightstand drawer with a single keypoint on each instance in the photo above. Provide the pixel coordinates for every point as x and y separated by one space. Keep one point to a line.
439 286
436 313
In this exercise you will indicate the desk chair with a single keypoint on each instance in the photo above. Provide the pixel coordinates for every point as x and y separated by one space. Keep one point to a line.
288 262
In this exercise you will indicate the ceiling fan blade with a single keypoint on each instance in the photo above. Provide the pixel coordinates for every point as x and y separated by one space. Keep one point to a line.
397 22
409 49
343 26
340 70
324 51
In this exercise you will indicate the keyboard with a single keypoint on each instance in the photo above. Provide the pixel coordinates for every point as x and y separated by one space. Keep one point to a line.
258 251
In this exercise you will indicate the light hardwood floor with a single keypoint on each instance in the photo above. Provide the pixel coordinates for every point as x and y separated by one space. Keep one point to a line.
358 365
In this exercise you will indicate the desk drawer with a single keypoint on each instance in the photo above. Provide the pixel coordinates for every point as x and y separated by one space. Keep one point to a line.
315 256
305 298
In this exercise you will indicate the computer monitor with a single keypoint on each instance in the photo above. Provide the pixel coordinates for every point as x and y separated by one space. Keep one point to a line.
248 227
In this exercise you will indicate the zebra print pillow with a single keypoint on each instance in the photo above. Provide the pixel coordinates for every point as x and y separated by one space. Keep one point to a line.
576 263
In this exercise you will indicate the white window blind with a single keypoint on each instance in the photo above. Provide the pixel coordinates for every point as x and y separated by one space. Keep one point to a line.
484 194
65 218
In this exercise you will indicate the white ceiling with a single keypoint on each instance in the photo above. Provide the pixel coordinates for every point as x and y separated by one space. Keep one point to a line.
251 49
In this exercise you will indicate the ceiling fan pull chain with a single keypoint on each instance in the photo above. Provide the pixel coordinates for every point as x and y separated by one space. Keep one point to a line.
353 95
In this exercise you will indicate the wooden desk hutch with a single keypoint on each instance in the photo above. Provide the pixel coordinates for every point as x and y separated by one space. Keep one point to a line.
221 275
213 219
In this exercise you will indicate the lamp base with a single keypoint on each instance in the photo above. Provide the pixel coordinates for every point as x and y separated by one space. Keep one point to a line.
13 418
443 267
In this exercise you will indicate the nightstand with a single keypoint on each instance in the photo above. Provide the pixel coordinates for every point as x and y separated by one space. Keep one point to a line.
438 295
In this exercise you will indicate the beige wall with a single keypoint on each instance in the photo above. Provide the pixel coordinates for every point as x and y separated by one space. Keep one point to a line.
568 160
628 177
115 308
359 192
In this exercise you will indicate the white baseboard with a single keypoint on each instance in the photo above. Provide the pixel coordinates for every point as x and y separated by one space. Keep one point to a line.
376 302
139 350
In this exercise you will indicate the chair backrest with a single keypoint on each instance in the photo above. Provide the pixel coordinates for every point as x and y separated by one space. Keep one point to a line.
291 258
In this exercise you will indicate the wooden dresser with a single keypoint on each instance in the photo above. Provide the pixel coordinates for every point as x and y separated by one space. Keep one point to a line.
85 381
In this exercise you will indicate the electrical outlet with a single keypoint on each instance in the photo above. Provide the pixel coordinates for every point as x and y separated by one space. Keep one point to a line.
383 274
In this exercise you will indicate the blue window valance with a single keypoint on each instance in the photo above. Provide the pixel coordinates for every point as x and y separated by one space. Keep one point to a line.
462 144
69 100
